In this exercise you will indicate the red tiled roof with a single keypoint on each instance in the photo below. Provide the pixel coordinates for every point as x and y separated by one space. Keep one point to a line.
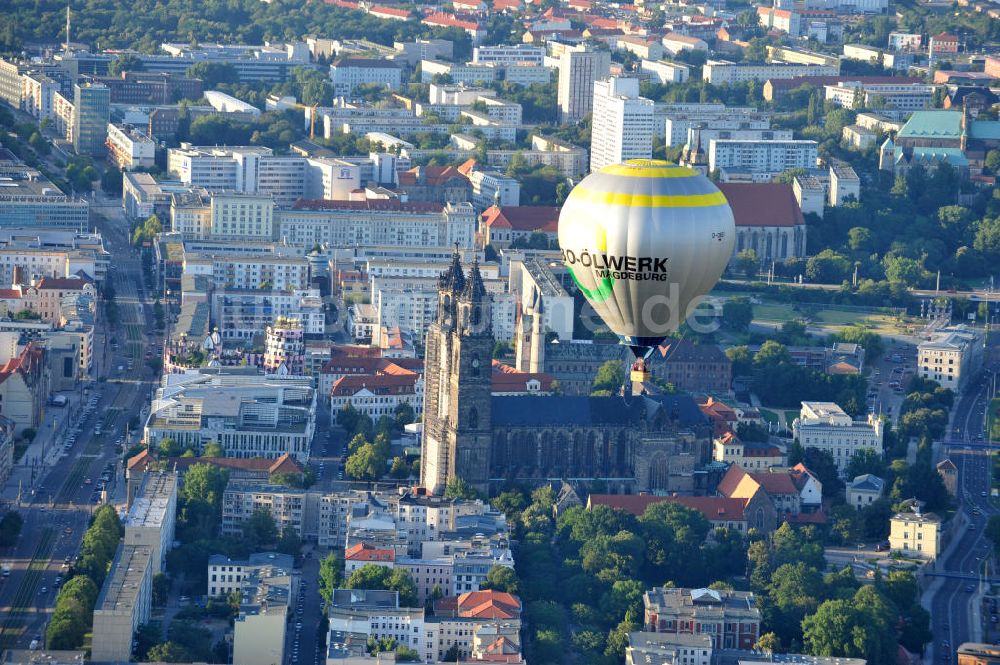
523 218
761 451
716 409
487 604
775 483
11 293
61 283
730 481
714 508
506 379
818 517
394 205
449 21
504 5
762 203
366 552
389 11
140 461
378 384
284 464
945 37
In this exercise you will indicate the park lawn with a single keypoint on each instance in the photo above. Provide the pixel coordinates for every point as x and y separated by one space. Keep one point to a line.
842 317
769 416
790 417
778 313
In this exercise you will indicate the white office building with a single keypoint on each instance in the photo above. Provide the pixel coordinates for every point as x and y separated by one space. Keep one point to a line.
349 73
622 125
718 72
827 427
665 72
680 118
505 54
900 97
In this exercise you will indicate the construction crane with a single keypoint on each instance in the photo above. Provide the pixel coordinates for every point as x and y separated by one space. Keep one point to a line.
312 117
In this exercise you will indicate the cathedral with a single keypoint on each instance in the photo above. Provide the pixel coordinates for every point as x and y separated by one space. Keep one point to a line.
658 444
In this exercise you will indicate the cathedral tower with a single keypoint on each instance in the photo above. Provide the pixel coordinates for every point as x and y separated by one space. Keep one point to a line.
457 376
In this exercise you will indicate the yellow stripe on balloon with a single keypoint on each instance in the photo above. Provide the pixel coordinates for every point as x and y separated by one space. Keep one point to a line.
654 169
649 200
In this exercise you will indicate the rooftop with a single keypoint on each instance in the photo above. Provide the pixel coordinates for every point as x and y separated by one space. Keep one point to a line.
762 204
121 587
932 124
155 499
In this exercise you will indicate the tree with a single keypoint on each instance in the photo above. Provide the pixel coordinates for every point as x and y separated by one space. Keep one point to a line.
213 449
737 313
289 543
147 231
404 415
10 528
746 263
260 529
168 652
769 643
993 532
372 576
828 267
366 463
501 578
161 587
459 488
741 359
610 377
329 577
866 460
405 654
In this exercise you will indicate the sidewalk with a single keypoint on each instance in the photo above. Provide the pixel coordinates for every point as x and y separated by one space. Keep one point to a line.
44 451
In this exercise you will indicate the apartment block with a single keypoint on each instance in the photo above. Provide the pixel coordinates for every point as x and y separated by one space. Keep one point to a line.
622 123
915 534
504 54
286 505
761 157
887 97
349 73
241 314
152 515
123 604
371 222
129 148
664 72
226 575
259 630
679 119
579 67
718 72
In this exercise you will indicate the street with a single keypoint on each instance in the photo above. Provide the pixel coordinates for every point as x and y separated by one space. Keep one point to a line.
57 512
954 613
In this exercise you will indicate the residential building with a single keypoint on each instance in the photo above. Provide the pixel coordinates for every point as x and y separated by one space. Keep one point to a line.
123 604
151 516
225 575
730 618
639 46
675 43
505 54
899 99
864 490
783 20
679 119
129 149
810 194
797 494
379 395
845 185
349 73
91 111
11 87
665 72
464 622
24 383
942 45
39 94
266 596
287 506
777 89
241 314
377 614
6 448
718 72
905 41
470 74
760 158
248 414
622 123
951 357
915 534
579 67
825 426
377 222
645 648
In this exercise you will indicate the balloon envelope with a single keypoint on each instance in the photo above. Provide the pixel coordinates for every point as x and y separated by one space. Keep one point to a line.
644 240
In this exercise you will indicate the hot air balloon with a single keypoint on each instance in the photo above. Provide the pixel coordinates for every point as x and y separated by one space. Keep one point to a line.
644 240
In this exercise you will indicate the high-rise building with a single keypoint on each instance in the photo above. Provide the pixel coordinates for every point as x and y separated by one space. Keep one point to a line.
91 111
622 126
579 67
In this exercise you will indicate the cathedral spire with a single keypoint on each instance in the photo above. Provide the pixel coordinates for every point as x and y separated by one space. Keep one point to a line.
474 287
453 278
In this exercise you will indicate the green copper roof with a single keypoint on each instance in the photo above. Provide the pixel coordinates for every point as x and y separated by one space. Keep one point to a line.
953 156
933 124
